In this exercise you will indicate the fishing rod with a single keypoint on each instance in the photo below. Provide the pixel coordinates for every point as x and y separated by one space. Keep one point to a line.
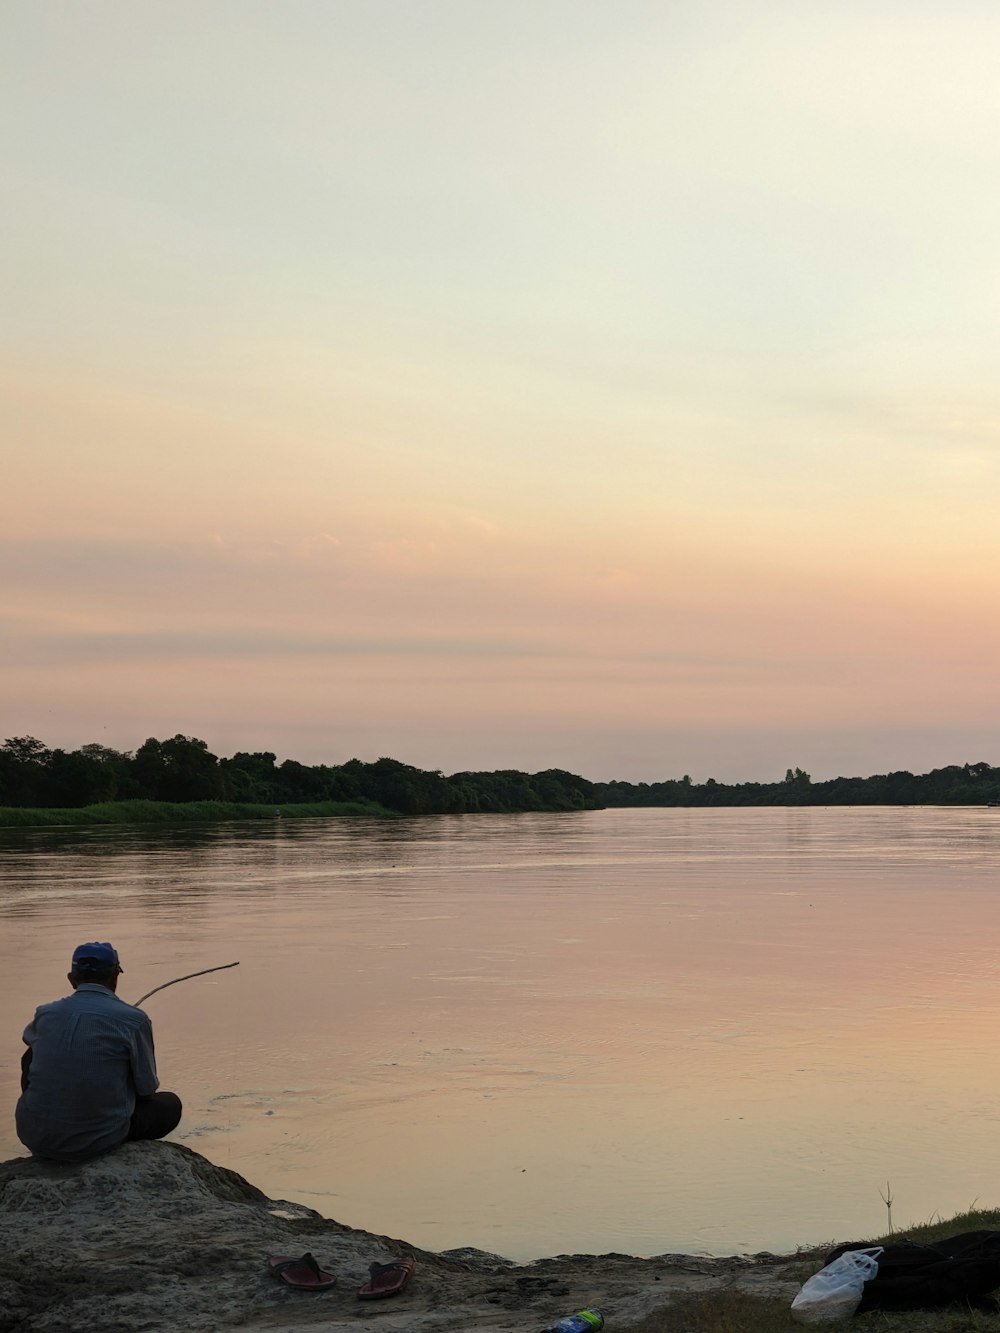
203 973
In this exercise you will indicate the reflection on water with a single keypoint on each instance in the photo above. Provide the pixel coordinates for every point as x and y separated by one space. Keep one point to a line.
624 1030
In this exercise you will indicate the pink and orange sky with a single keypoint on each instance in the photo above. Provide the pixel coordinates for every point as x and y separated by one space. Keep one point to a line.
524 384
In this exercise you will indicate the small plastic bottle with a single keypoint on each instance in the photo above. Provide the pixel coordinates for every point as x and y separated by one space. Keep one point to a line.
584 1321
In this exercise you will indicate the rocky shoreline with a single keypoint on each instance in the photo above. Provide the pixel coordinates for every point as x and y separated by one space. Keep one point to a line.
153 1236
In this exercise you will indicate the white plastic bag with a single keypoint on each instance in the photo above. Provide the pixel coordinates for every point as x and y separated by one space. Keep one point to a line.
835 1292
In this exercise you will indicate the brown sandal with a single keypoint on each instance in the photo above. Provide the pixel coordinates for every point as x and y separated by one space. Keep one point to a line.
386 1279
304 1273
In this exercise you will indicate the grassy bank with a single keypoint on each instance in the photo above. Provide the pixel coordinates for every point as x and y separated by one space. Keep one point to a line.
183 812
724 1310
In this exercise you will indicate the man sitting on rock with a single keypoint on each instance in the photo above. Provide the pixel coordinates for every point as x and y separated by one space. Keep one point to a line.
88 1077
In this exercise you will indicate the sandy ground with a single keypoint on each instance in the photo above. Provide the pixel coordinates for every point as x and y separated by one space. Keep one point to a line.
153 1237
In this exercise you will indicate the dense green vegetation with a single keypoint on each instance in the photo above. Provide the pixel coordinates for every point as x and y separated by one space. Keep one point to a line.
114 786
966 784
180 779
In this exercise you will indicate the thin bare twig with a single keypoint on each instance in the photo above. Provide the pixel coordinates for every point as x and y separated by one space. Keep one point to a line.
203 973
887 1200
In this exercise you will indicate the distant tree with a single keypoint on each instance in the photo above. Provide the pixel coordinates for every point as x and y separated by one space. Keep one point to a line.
411 791
560 790
298 782
116 765
180 769
22 770
26 749
250 777
900 788
148 768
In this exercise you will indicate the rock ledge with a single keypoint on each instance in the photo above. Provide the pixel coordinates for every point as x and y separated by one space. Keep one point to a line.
153 1236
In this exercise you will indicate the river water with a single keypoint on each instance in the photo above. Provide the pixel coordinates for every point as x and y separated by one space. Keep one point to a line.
711 1031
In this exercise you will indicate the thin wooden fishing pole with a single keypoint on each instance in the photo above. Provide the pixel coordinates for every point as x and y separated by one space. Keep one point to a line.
203 973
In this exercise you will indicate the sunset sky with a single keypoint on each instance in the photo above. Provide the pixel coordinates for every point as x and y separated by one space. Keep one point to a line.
504 383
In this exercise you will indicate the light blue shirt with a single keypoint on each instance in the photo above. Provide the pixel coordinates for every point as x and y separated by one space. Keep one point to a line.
91 1056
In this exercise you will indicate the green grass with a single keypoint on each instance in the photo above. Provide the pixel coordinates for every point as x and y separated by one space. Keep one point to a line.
729 1310
182 812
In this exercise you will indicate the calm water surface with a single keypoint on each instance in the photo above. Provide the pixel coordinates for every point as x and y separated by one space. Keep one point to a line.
642 1031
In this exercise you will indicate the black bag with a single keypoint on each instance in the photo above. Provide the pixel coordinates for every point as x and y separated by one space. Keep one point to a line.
915 1277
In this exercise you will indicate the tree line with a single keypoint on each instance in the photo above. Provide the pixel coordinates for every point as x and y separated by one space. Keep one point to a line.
965 784
183 769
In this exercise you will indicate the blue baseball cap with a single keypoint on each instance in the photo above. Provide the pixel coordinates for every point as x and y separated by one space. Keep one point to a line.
95 958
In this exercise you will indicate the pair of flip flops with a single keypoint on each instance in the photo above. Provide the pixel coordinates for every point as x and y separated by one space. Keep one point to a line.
305 1274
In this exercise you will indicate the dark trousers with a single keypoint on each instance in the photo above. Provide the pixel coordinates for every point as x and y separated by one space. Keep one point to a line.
155 1116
